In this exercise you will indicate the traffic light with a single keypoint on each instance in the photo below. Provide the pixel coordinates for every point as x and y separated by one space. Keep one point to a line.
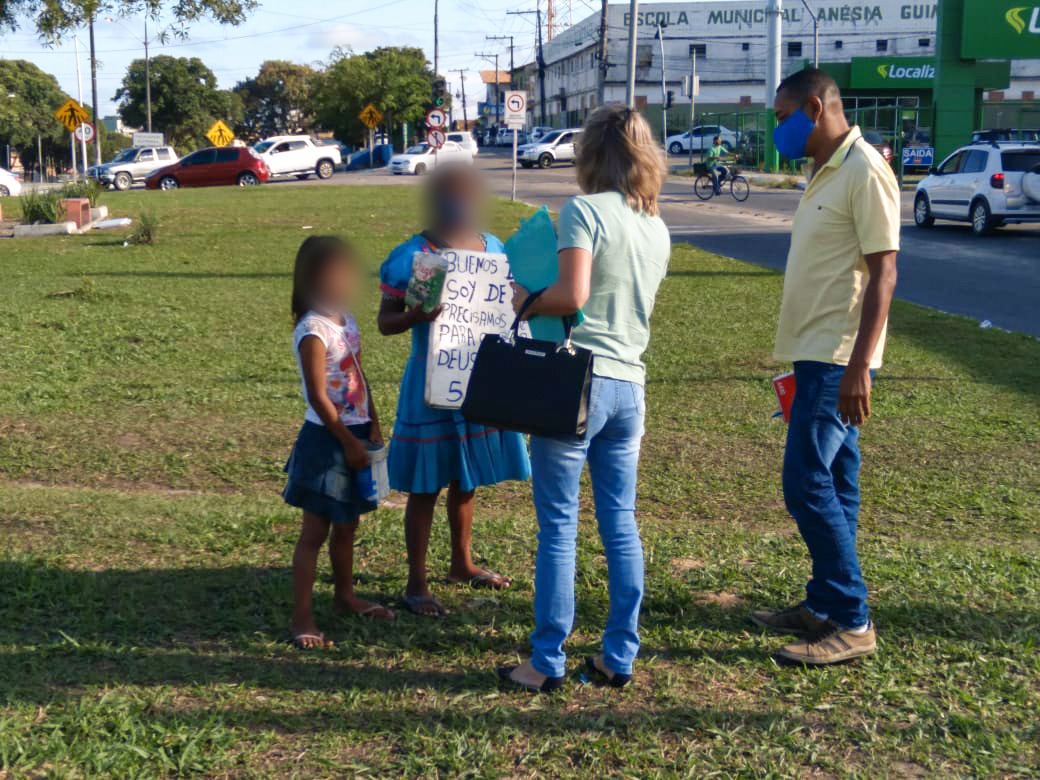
440 93
671 99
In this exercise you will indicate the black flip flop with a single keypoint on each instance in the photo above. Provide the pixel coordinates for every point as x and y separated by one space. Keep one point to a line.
414 604
617 681
551 684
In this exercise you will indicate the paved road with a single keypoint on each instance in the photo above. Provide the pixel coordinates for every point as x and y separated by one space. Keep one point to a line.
996 278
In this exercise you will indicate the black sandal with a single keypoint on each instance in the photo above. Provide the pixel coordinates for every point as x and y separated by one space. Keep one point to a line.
616 681
551 684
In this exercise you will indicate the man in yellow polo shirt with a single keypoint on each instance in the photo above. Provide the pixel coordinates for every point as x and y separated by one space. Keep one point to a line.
841 273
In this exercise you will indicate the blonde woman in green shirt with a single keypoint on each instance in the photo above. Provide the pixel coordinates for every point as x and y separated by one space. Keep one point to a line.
613 253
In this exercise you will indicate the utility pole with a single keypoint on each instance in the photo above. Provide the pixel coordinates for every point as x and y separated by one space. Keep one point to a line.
462 82
512 65
664 85
693 97
774 38
498 91
604 62
79 97
815 34
147 77
436 36
93 96
541 56
630 92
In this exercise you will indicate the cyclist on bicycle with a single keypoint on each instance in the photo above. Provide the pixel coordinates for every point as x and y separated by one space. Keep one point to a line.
713 162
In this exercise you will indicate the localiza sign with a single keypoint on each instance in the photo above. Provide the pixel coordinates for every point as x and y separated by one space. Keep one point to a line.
893 72
1001 29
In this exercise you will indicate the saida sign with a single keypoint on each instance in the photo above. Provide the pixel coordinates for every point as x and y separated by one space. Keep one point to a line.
892 72
1001 29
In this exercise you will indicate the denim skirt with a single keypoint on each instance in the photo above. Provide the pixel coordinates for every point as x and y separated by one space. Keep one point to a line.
319 480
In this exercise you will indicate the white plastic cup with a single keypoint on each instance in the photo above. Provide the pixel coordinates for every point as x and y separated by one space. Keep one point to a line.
374 479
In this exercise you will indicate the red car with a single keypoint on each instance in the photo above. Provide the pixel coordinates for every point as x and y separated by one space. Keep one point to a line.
211 167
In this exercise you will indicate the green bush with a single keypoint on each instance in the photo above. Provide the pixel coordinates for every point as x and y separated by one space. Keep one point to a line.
85 188
146 230
41 207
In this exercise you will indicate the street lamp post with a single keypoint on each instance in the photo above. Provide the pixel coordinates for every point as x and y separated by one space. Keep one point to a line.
147 72
815 33
664 85
630 92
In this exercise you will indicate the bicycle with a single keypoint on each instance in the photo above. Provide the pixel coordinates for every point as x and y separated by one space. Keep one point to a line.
739 188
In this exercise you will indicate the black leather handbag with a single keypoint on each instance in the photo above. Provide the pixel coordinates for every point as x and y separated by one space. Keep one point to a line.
530 386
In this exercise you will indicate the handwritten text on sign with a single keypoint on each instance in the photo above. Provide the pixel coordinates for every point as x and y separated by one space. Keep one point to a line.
477 299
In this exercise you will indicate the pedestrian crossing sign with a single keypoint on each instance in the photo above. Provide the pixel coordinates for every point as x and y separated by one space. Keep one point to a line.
370 116
220 134
71 114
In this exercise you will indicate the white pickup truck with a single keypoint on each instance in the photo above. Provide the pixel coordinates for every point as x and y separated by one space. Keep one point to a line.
299 156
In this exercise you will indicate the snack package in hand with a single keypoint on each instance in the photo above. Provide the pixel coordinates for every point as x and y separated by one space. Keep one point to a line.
424 288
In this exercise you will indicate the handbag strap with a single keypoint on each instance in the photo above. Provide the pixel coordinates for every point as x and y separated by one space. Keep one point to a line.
568 322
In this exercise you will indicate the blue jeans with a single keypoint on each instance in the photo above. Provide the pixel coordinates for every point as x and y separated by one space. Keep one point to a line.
611 446
821 490
718 175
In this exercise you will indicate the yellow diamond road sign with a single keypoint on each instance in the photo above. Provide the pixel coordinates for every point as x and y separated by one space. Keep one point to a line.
220 134
71 114
370 116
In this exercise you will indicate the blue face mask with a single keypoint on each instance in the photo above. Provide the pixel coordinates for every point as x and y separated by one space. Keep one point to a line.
792 135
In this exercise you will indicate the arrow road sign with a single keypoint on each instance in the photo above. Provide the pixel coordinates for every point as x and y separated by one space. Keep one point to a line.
85 132
516 109
436 138
220 134
71 114
370 116
436 117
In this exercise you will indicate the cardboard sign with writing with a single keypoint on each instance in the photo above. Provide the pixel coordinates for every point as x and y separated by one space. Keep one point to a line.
477 299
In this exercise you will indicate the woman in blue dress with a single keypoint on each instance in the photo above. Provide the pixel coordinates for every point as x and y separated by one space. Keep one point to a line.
433 449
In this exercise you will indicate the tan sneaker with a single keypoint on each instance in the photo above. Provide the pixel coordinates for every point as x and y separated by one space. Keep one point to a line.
832 644
795 621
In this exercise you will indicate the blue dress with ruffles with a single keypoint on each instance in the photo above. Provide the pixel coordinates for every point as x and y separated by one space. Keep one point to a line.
431 448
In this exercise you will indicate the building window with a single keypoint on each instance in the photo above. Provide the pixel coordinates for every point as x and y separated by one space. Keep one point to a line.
794 48
882 45
924 43
1028 94
700 49
644 55
745 46
839 44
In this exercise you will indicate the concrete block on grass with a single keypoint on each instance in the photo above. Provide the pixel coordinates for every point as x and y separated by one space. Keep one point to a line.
57 229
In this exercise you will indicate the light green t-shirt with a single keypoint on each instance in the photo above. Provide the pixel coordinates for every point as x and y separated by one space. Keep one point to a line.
713 156
630 254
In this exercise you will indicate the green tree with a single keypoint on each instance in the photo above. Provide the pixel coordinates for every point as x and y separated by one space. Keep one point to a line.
397 80
53 18
185 99
28 99
279 100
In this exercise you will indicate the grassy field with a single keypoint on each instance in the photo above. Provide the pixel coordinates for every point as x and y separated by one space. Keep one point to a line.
149 400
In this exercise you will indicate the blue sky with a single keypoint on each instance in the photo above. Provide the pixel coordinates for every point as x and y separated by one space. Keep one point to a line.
302 31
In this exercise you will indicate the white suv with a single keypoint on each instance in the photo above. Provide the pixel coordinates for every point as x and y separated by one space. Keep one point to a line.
557 146
986 184
299 156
